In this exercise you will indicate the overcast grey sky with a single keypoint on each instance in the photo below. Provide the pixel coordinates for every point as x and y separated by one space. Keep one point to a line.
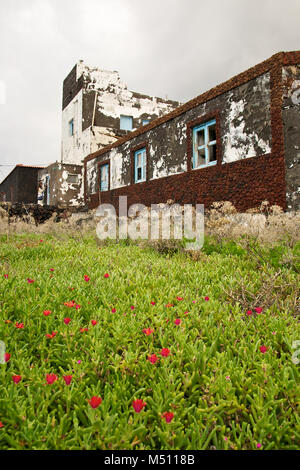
178 48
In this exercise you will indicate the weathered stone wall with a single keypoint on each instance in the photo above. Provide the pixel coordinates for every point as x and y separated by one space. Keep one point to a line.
245 171
95 99
66 186
291 120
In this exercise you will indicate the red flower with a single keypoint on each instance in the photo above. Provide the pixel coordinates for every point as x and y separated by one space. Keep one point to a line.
113 310
7 357
206 299
263 349
249 312
70 304
16 378
165 352
86 278
82 330
67 320
177 321
132 307
5 276
258 310
30 281
179 298
51 269
169 305
1 424
47 312
67 379
94 322
152 303
148 331
51 378
138 405
78 306
41 241
19 325
106 275
54 333
95 402
153 358
168 416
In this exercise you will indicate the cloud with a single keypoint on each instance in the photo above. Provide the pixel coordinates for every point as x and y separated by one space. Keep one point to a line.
178 48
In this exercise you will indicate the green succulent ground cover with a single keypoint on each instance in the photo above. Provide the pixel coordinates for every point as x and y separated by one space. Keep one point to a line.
223 391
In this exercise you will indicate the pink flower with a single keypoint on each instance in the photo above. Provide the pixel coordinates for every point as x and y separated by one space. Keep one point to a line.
258 445
30 281
78 306
225 438
51 378
132 307
258 310
47 313
227 377
273 332
5 276
194 301
86 278
177 321
168 416
263 349
67 320
148 331
152 303
67 379
51 269
153 358
106 275
206 299
95 402
165 352
249 312
113 310
79 361
138 405
16 378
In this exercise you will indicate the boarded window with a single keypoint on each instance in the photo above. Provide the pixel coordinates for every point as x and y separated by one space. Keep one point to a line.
73 179
204 144
126 123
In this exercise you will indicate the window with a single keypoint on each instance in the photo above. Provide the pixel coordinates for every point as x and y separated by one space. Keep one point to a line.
71 127
104 177
126 123
204 145
72 179
140 165
145 122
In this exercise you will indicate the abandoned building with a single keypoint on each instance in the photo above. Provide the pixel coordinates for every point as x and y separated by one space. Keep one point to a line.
97 109
21 185
239 141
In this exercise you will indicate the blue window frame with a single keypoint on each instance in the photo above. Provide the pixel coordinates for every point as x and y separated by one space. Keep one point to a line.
204 145
71 127
145 122
104 174
140 165
126 123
